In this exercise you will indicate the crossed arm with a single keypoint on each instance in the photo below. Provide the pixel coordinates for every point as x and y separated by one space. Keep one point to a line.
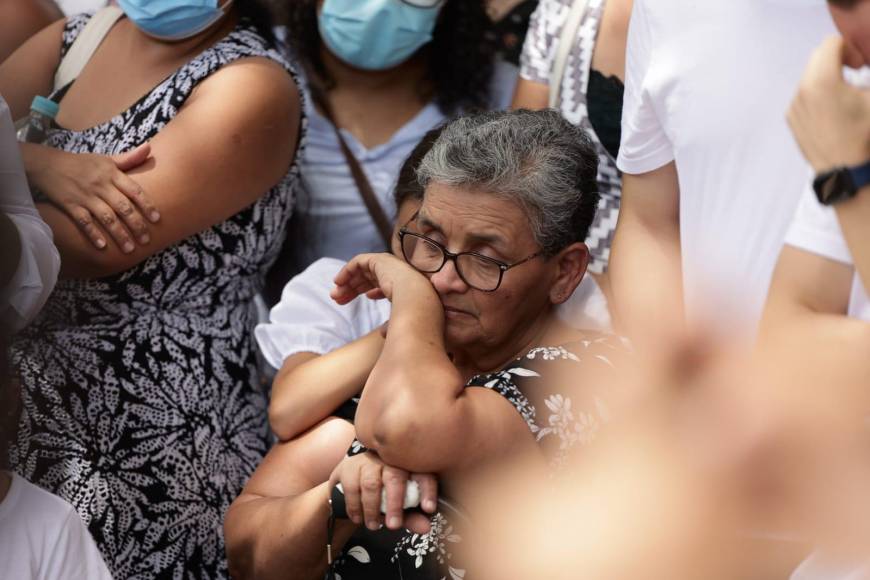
199 171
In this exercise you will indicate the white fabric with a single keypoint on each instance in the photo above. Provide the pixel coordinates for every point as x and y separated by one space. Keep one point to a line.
39 262
306 319
84 46
820 567
72 7
815 229
708 85
563 49
334 221
43 538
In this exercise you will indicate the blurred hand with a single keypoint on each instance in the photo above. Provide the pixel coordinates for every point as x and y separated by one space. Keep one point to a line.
95 192
830 119
363 477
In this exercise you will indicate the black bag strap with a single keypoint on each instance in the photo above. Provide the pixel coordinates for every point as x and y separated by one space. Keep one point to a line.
382 223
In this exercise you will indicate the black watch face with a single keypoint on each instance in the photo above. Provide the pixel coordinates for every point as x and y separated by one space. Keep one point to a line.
834 186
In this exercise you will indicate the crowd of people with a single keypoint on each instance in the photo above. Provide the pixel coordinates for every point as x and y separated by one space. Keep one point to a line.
434 289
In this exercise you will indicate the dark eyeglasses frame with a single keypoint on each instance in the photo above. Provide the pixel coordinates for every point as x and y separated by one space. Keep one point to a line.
447 255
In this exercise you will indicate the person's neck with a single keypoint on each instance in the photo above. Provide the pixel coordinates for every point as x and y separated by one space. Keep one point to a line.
485 358
5 484
410 75
143 44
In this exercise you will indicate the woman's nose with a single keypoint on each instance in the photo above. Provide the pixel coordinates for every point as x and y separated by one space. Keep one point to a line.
447 279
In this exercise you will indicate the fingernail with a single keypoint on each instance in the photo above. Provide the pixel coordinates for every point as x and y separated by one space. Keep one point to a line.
101 244
395 522
144 239
429 505
155 215
372 526
355 519
128 247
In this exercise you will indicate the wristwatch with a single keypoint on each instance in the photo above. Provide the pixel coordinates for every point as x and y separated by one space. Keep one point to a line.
841 183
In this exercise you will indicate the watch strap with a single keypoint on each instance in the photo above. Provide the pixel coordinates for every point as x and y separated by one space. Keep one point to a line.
860 175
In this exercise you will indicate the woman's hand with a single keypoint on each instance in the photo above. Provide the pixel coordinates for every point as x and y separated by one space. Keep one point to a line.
363 476
376 276
94 189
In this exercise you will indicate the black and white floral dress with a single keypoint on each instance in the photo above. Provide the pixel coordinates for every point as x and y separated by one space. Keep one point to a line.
141 404
562 413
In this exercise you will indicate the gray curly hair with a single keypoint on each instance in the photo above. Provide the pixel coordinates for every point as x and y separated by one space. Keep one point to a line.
534 158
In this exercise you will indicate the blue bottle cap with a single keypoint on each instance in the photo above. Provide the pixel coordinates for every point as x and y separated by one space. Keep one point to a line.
45 106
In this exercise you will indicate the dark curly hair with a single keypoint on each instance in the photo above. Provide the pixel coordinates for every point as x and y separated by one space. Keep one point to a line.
460 57
260 13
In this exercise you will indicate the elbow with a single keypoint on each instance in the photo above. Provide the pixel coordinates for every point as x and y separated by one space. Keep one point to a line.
281 422
401 434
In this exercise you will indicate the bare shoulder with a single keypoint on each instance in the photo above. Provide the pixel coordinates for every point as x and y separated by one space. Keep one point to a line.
251 83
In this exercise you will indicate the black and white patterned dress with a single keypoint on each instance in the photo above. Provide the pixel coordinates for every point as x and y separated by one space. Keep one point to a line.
536 65
564 416
140 400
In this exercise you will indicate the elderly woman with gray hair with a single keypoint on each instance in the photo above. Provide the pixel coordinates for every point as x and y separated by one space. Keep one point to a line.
476 367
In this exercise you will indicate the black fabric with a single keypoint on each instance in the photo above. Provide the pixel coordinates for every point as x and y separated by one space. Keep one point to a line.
604 102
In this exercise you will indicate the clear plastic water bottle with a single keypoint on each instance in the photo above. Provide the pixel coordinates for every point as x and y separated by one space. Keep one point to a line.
42 113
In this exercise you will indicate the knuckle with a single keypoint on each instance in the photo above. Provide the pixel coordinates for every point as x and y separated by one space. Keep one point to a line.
107 218
83 219
393 478
125 209
370 484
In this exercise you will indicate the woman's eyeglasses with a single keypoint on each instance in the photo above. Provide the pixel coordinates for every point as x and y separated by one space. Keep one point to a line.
478 271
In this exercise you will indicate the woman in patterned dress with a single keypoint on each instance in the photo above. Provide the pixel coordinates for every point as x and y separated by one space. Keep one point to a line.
140 400
496 245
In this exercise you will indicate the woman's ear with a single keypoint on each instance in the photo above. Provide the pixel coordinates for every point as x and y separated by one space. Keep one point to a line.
571 262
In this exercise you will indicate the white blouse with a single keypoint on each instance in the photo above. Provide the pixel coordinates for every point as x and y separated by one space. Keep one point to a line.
38 266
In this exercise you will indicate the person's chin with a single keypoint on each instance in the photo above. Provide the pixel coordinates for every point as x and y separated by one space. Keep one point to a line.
459 331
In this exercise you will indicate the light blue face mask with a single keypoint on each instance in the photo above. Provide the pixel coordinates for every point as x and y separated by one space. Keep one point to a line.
377 34
172 19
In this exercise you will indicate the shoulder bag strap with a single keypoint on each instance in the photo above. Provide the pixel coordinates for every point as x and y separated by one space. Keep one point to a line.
85 44
563 49
384 227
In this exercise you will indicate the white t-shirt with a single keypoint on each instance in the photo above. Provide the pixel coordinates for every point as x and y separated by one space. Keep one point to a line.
708 84
815 229
43 538
39 262
306 319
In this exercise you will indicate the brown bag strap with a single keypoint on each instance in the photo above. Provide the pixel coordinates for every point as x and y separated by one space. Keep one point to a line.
384 227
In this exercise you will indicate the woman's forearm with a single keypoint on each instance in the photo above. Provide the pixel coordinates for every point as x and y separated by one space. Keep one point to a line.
308 391
414 384
854 216
282 537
